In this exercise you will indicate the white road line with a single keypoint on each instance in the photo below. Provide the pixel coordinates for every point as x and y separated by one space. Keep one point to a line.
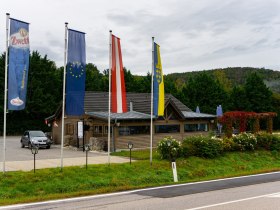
127 192
234 201
274 196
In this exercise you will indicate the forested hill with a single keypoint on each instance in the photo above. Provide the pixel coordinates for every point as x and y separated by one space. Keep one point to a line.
233 88
235 75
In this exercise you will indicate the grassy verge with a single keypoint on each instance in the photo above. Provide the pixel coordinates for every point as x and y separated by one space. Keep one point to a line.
18 187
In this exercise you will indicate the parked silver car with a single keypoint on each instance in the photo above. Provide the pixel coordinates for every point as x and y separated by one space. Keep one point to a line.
35 138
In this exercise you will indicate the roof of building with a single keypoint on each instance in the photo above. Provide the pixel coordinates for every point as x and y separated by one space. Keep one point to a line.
197 115
131 115
138 104
141 102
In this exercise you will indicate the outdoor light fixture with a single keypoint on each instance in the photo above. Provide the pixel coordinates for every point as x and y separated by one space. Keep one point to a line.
34 151
87 148
130 147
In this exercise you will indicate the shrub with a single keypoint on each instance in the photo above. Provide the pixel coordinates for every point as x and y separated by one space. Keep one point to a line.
202 146
228 144
275 143
268 141
245 141
169 152
189 147
264 140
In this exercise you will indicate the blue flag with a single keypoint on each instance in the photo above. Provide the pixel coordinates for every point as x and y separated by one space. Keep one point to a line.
18 64
76 73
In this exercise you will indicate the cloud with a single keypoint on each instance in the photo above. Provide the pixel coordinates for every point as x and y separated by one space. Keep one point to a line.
193 34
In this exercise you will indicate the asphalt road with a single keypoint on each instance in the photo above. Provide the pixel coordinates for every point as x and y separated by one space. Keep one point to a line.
14 152
256 192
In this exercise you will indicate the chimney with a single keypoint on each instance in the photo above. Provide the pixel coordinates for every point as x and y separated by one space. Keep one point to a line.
131 106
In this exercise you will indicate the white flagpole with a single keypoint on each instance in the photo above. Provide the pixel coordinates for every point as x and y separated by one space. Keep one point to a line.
5 91
152 104
109 101
63 98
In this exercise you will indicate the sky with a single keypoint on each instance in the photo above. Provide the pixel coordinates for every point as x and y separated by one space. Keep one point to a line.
193 34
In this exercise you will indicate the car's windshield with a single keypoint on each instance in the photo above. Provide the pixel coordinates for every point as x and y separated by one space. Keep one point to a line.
37 134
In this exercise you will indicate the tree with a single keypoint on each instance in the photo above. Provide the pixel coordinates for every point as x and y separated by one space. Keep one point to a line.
203 91
44 89
276 108
129 81
2 81
221 77
142 83
169 86
258 95
44 92
238 99
93 78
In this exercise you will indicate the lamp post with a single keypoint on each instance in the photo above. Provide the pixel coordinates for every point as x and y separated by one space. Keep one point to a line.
34 151
130 147
87 148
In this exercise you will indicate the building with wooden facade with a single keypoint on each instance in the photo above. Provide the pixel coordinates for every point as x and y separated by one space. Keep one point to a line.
178 121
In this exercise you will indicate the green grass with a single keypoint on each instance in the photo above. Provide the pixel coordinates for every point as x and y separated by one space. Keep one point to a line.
137 154
45 184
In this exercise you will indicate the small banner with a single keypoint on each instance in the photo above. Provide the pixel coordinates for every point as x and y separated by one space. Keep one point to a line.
18 64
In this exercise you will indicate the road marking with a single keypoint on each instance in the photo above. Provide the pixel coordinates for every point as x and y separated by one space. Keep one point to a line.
129 192
274 196
234 201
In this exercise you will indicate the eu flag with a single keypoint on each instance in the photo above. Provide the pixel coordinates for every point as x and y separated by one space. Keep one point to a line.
18 64
158 99
76 73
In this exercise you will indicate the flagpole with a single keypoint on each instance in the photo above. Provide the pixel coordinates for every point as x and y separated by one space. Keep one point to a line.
109 101
63 98
152 104
5 92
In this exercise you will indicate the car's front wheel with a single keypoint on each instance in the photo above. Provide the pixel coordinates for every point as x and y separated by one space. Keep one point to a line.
22 145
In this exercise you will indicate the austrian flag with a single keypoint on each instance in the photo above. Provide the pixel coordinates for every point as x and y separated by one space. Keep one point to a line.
118 83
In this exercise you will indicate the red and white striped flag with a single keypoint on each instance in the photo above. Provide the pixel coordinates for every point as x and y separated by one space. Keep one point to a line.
118 83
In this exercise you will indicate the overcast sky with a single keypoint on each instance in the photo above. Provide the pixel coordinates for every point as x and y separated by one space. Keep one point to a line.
193 34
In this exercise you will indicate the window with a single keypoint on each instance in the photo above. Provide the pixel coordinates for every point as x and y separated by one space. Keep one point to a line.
202 127
195 127
69 129
97 129
106 129
190 127
167 128
133 130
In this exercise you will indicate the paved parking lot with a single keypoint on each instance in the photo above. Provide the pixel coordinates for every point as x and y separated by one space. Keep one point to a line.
18 158
14 152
